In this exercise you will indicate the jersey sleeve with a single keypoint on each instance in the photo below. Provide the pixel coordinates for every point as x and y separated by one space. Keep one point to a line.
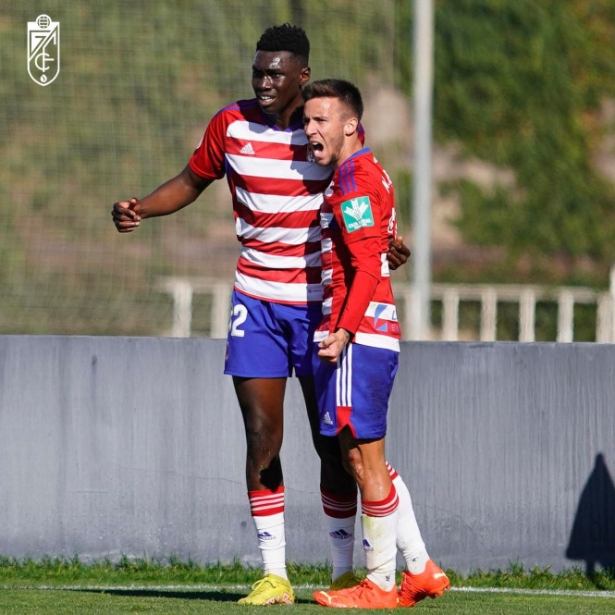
208 158
358 216
357 301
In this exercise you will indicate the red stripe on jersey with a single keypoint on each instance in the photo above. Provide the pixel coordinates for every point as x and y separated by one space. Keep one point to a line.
309 275
277 151
297 219
283 249
278 186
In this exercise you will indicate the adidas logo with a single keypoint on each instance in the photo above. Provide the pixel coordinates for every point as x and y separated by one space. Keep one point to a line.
327 419
265 536
366 545
247 149
340 534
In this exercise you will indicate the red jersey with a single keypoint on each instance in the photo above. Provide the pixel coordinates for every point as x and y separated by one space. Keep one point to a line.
358 221
277 194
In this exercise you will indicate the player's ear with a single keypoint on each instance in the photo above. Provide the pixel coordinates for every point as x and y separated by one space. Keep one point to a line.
350 127
305 75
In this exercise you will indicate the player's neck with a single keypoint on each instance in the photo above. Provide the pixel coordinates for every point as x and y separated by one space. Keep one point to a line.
350 148
292 114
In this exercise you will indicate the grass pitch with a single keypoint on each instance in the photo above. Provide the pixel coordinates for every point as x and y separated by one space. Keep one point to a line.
68 587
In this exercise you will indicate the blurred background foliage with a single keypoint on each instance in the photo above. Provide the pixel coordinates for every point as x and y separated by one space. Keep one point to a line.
526 87
523 84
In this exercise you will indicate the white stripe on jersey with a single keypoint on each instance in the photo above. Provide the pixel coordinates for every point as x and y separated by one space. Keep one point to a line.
343 378
365 339
251 131
282 169
275 204
290 236
388 313
275 261
278 291
325 219
376 341
325 277
384 267
326 245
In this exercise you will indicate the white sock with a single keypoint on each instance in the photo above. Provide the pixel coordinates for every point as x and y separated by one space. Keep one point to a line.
341 541
340 516
268 515
409 540
379 537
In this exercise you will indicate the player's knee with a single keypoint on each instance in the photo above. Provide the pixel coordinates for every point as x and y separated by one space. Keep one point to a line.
353 463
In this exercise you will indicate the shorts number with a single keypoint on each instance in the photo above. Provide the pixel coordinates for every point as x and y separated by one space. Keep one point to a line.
238 317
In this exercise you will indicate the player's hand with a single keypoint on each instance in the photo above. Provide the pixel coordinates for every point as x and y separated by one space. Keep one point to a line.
126 216
398 254
331 347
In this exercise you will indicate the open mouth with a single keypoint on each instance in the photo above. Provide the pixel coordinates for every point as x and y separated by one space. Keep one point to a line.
316 147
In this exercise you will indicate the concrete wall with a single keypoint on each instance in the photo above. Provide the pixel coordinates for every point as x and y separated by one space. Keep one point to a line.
135 446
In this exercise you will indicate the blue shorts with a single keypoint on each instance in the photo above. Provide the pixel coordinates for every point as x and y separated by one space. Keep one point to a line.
356 391
270 340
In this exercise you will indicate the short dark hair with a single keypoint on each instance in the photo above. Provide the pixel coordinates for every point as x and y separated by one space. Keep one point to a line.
345 91
285 38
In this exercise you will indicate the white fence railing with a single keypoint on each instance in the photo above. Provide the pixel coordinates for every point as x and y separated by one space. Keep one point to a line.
183 290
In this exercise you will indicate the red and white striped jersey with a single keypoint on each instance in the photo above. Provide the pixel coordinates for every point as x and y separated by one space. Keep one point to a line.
358 221
277 194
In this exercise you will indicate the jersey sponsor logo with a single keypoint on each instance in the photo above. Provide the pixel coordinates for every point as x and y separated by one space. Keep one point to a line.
357 213
43 50
247 149
377 324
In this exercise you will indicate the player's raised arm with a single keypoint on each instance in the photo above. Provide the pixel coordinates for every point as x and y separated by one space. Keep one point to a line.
168 198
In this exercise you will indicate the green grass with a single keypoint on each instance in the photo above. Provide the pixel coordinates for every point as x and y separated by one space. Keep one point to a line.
61 572
67 586
216 601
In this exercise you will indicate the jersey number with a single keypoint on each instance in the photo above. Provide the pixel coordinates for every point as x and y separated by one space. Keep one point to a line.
238 317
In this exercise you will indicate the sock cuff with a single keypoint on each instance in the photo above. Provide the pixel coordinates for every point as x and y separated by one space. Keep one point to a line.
339 506
383 508
392 471
265 502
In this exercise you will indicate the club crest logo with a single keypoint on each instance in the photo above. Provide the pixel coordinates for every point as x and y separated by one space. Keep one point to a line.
43 50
